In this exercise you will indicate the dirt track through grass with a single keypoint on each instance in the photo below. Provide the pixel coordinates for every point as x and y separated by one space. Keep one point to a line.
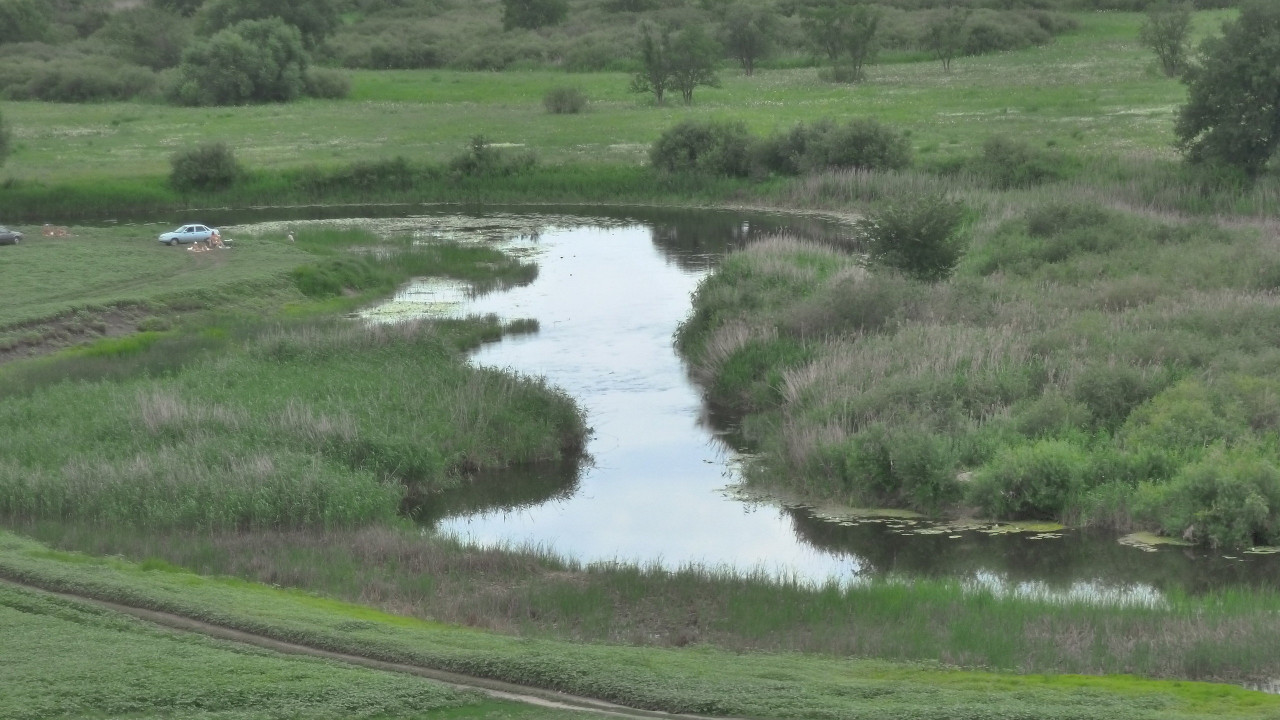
493 688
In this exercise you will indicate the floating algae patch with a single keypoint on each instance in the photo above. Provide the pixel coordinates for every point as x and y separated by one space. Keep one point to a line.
1262 550
425 297
1150 542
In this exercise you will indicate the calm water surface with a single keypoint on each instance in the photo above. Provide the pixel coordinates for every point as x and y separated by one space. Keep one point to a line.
659 485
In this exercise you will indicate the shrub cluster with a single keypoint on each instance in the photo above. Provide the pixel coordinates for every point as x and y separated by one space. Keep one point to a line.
564 101
726 148
918 236
211 166
483 159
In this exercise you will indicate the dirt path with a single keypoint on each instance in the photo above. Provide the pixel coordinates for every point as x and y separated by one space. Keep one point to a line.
493 688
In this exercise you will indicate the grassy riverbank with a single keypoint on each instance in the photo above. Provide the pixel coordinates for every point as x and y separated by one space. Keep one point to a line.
224 420
1225 635
688 680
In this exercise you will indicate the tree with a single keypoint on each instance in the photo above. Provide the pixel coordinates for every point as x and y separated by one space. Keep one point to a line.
845 33
748 34
1165 31
655 64
945 35
315 19
185 8
692 60
147 35
533 14
23 20
1232 115
251 61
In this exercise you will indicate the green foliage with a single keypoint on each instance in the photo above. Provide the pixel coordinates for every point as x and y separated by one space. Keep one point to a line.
918 236
73 76
1231 499
1034 481
752 376
482 159
749 33
713 148
326 83
211 166
901 468
1166 31
859 144
1009 163
945 35
692 57
1233 93
680 60
313 19
564 100
24 20
533 14
845 33
147 35
252 61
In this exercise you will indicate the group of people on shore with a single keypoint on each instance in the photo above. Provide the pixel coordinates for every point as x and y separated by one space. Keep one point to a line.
214 241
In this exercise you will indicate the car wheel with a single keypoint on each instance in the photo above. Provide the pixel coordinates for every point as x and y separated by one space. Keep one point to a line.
171 243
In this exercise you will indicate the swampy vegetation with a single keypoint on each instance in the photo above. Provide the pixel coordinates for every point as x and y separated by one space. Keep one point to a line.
1101 357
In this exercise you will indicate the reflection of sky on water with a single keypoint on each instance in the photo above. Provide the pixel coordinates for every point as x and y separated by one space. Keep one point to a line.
607 302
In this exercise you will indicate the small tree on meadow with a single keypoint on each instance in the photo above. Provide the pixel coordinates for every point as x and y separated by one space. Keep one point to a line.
655 62
845 33
748 34
1232 115
945 35
693 56
1165 31
533 14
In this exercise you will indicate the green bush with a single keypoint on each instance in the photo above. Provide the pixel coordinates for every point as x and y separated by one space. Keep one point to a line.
1030 481
483 159
918 236
751 378
914 467
1230 499
860 144
710 147
52 75
1112 390
564 101
1008 163
251 61
211 166
326 84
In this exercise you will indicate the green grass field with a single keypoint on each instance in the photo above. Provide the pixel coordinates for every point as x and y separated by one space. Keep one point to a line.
695 679
1093 91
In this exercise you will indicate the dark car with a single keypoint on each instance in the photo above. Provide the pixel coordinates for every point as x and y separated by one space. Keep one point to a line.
9 237
187 234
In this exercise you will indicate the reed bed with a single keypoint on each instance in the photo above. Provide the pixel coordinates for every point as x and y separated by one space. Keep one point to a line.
1126 338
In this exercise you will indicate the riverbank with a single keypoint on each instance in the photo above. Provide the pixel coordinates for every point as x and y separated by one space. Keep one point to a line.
699 680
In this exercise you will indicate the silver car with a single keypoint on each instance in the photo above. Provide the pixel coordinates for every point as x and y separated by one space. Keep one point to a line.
187 234
9 237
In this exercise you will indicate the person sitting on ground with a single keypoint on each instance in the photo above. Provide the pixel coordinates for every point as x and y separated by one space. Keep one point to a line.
215 240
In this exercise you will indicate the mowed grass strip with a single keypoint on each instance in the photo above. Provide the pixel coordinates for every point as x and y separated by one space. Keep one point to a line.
696 679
